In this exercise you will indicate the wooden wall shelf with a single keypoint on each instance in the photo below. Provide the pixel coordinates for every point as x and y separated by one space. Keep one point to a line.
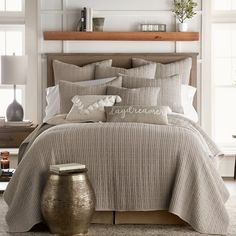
122 36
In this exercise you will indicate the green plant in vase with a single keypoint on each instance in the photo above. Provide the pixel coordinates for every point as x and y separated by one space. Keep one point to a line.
184 9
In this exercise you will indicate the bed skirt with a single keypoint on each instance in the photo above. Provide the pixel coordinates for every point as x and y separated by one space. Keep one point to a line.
136 217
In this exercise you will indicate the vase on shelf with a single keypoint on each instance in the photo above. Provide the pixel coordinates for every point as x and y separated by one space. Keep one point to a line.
183 27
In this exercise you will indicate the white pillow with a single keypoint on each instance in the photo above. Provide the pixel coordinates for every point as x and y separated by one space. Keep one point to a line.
187 95
90 107
53 97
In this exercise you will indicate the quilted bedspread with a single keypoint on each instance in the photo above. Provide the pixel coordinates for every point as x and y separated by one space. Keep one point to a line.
132 167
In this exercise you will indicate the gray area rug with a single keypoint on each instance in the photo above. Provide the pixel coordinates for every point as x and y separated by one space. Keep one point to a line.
129 230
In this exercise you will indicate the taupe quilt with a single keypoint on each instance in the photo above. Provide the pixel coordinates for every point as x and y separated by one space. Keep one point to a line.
132 167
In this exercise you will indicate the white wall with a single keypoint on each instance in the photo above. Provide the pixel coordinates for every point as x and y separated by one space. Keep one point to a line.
119 15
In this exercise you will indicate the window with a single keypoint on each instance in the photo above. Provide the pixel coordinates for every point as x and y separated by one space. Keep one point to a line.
223 28
11 5
12 40
224 5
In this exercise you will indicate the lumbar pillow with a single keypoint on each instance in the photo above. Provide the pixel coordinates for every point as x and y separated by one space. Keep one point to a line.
138 114
170 89
90 107
73 73
182 68
141 96
68 90
147 71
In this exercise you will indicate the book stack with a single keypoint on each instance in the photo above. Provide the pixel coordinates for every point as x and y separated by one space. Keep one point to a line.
86 21
67 168
7 172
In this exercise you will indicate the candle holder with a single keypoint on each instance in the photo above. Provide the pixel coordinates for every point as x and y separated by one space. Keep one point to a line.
5 163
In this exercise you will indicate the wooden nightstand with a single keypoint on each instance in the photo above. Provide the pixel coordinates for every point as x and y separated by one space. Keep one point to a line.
12 137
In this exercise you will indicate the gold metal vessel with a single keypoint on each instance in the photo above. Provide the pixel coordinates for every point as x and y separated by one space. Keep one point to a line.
68 203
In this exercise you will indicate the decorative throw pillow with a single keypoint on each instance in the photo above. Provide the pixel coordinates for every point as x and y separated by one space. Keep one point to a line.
141 96
138 114
53 96
90 107
147 71
170 90
73 73
182 68
68 90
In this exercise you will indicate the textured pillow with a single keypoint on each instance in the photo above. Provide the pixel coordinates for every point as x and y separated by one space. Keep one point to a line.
170 90
90 107
53 96
68 90
138 114
182 68
141 96
147 71
73 73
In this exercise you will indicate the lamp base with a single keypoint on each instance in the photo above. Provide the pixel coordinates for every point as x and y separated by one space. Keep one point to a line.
15 112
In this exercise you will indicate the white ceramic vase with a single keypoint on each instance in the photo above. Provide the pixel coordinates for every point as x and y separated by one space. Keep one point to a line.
183 27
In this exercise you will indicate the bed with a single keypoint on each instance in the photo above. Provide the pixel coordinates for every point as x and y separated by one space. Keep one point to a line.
174 180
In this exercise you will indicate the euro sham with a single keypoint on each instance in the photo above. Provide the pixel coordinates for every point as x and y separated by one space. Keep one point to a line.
182 68
147 71
74 73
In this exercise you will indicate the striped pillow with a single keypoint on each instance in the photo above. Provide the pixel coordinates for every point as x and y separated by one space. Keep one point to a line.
170 90
182 68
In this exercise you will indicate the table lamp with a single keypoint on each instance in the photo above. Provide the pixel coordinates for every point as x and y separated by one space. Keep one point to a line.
14 71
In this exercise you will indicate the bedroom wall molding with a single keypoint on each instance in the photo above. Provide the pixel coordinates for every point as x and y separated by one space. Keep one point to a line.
62 15
33 95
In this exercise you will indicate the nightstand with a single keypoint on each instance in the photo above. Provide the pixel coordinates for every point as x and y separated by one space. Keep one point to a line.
10 139
13 136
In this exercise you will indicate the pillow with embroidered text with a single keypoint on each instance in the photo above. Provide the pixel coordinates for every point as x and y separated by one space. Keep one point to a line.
138 114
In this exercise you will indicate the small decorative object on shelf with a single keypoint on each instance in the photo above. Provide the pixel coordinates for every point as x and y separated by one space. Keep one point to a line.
68 200
184 9
98 23
5 163
153 27
86 20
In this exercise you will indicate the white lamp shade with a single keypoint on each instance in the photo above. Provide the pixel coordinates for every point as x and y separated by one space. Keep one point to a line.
14 69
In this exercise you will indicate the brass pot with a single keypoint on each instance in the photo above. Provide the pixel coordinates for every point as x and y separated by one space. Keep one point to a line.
68 203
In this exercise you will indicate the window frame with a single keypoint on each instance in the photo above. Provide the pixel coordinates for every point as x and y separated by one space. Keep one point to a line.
15 21
14 13
212 16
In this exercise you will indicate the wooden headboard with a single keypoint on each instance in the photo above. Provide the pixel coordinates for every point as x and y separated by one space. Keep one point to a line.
120 60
